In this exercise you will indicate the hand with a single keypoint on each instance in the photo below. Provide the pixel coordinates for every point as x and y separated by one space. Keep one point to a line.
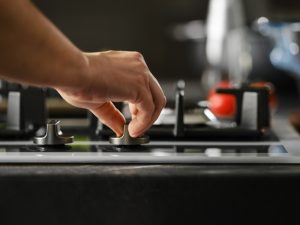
118 76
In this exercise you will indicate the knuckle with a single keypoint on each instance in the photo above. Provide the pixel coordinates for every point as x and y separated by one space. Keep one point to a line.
140 63
138 56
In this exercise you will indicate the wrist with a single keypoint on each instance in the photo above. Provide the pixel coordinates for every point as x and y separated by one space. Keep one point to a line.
74 75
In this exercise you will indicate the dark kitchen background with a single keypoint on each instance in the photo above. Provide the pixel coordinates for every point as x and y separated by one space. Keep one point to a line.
150 27
173 37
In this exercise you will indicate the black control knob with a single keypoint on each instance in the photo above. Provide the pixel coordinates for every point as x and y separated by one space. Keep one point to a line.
126 139
253 110
54 135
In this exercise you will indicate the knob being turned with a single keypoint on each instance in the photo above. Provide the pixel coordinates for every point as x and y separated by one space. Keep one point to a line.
126 139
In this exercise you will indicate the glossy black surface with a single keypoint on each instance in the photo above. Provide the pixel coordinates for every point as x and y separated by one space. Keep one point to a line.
208 150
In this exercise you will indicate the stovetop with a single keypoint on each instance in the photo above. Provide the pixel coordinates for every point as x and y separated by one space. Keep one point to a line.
152 153
278 146
251 138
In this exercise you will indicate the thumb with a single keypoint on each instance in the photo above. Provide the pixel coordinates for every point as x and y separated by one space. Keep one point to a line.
109 115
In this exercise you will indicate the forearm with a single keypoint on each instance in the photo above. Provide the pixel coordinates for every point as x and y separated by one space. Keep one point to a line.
34 51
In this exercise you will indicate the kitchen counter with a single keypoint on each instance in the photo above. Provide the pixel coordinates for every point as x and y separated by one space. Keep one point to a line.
149 194
152 193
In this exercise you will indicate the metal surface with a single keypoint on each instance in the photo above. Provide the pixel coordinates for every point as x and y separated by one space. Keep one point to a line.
54 135
14 111
250 106
285 150
126 139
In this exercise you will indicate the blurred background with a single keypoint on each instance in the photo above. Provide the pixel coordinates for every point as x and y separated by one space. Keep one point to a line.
173 35
201 42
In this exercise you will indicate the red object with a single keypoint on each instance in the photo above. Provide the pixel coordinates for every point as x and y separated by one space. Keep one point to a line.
222 105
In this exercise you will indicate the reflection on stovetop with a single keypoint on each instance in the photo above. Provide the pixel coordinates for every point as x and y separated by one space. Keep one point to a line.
207 150
202 134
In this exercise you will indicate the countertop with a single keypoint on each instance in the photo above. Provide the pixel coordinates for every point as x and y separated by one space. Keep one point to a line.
151 194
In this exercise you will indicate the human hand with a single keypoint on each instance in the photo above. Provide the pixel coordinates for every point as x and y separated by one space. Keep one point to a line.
118 76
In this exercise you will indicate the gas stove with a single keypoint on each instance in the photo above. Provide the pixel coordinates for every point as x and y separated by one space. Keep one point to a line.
278 147
248 139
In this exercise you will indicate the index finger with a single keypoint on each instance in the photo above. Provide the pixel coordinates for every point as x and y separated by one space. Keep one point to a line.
158 96
143 118
142 112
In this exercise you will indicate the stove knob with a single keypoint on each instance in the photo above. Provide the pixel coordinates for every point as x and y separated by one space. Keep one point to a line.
126 139
54 135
